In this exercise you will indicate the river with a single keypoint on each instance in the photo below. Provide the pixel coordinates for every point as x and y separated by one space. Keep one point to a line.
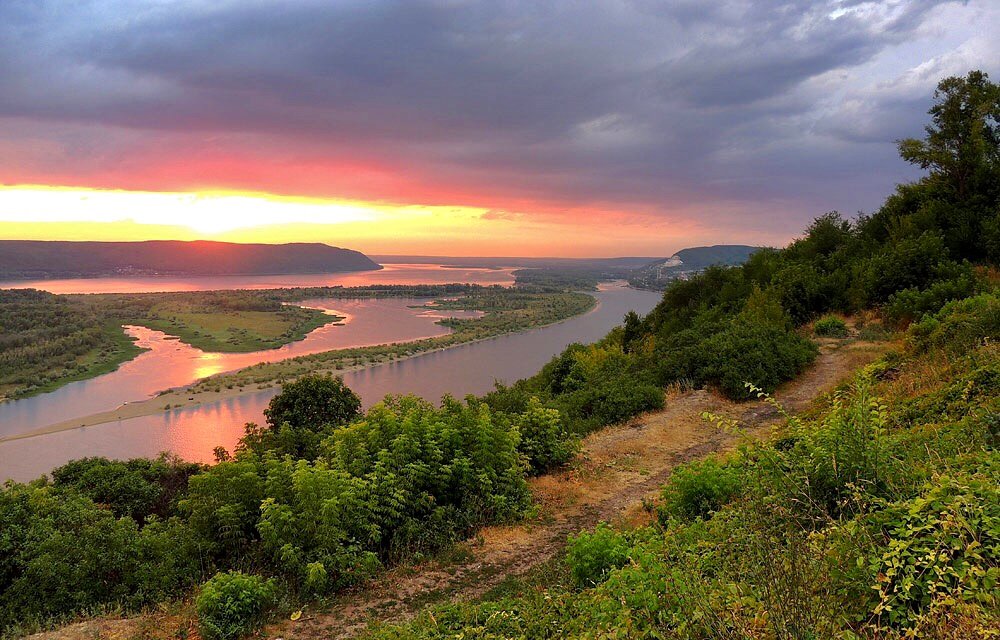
389 274
193 432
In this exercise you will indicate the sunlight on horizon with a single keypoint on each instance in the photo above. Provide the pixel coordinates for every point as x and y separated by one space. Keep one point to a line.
207 212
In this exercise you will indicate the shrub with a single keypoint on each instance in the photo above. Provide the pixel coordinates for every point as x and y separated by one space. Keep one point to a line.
592 556
545 442
233 605
943 543
830 327
62 554
763 354
136 488
697 489
959 325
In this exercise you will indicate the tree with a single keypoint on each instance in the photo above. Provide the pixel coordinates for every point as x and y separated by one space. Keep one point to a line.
963 142
632 330
961 195
312 402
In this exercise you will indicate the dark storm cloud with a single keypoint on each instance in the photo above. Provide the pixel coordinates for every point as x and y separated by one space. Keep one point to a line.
640 103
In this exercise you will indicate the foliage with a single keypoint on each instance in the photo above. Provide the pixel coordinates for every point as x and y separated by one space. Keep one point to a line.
301 415
875 517
592 556
699 489
233 605
312 402
138 488
830 327
60 553
944 547
48 340
545 441
959 325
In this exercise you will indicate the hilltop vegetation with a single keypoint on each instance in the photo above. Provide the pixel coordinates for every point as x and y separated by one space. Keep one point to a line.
876 516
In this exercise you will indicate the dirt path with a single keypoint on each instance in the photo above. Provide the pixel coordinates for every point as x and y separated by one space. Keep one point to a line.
619 469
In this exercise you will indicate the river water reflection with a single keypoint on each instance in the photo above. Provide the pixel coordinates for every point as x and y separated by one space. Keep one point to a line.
389 274
193 432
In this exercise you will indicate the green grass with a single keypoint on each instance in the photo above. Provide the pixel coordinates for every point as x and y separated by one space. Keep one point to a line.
237 331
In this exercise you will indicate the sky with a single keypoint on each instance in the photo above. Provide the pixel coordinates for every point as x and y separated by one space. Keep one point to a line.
454 127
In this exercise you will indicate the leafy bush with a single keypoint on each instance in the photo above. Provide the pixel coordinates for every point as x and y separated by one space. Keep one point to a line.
137 488
762 354
959 325
943 544
592 556
911 304
62 554
545 442
698 489
830 327
233 605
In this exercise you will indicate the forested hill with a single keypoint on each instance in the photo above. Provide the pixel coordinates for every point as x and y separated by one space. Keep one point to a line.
55 259
686 262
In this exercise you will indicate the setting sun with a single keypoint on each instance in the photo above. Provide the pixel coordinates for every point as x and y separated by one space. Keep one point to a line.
203 212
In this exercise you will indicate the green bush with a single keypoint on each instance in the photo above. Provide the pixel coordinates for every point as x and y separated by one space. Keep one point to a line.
762 354
830 327
61 554
137 488
592 556
698 489
944 543
545 441
233 605
959 325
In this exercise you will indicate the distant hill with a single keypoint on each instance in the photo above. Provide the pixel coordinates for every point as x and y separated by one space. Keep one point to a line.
687 262
25 259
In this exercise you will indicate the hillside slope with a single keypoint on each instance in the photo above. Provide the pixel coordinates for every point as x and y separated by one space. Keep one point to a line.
619 468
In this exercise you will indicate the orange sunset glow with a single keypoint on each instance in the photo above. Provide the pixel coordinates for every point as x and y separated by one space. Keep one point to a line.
36 212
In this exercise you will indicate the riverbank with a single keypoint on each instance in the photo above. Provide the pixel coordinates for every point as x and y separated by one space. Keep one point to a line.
543 310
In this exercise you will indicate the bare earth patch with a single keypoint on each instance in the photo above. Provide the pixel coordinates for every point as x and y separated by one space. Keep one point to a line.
619 468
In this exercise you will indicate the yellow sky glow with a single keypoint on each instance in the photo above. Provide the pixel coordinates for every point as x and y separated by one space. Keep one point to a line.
38 212
204 212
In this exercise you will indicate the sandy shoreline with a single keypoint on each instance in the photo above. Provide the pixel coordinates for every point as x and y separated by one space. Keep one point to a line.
183 398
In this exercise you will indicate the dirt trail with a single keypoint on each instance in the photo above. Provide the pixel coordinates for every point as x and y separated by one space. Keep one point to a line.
619 468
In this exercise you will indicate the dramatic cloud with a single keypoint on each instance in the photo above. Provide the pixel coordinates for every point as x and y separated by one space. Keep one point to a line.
741 118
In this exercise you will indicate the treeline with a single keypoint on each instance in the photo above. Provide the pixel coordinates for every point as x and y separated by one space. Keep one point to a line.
46 340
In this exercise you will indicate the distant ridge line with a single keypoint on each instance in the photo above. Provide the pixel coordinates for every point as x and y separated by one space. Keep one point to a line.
38 259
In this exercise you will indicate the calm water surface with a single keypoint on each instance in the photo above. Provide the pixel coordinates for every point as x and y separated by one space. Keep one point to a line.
193 433
170 363
390 274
